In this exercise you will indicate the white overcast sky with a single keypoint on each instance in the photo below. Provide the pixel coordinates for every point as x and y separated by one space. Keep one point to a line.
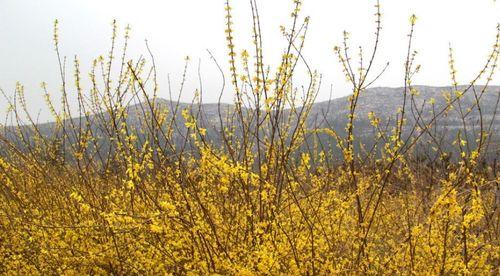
177 28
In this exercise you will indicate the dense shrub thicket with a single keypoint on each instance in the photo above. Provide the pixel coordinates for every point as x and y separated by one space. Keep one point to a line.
266 199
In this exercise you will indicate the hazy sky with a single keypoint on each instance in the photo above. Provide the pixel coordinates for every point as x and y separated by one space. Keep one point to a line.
177 28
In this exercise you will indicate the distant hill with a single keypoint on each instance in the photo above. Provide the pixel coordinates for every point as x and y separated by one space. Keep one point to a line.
384 102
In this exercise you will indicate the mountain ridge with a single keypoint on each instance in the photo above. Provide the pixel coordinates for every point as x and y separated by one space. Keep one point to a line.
383 102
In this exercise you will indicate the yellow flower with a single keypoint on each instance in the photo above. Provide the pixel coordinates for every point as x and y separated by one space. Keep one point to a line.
413 19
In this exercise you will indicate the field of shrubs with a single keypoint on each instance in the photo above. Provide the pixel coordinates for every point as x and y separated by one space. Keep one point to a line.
258 192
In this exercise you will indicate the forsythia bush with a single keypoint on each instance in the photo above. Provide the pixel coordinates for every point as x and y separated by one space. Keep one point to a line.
96 195
210 219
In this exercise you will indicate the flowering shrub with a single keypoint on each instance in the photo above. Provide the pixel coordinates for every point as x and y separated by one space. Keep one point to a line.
99 195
